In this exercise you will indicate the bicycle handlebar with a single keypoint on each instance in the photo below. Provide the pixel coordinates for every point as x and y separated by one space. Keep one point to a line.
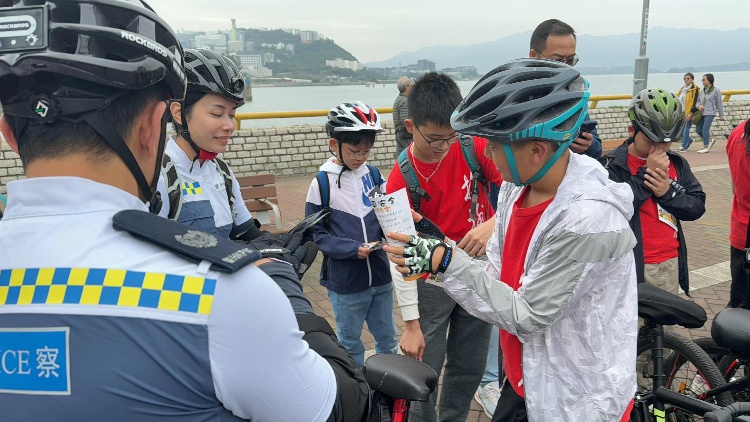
728 413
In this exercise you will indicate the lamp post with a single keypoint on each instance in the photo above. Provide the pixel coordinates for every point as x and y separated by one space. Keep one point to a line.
640 76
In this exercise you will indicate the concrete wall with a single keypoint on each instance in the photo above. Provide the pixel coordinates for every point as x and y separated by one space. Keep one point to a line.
301 149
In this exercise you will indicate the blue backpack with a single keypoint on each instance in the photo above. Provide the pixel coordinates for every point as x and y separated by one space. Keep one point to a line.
325 202
325 189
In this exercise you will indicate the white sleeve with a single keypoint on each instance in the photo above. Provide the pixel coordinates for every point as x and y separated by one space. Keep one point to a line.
258 358
161 187
406 294
240 208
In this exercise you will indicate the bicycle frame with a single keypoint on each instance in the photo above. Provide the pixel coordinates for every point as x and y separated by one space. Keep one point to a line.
660 395
400 410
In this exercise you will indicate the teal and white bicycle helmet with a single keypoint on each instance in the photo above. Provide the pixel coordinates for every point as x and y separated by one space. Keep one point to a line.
525 99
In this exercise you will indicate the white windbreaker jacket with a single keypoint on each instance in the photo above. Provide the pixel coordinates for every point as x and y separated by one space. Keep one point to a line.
576 312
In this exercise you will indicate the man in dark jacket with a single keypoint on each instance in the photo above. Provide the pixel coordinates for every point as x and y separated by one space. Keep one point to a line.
401 113
555 40
665 191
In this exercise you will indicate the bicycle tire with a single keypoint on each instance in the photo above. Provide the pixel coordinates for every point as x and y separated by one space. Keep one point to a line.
677 346
714 351
728 365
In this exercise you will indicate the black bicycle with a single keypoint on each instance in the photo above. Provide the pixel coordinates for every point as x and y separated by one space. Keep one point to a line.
679 373
729 348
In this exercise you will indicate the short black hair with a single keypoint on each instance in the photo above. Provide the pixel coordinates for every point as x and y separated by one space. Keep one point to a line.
432 98
61 138
364 138
710 78
188 104
691 75
545 29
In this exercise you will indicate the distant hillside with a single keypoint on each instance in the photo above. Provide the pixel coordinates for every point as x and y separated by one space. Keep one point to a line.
306 58
709 50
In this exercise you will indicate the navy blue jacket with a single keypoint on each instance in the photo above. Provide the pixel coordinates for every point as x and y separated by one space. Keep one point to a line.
351 223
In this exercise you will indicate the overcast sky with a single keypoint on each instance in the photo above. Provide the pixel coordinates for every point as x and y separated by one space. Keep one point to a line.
379 29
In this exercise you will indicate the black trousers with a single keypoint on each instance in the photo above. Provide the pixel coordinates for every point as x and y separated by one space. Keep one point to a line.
511 407
739 294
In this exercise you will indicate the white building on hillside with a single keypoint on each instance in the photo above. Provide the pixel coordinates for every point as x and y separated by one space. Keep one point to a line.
345 64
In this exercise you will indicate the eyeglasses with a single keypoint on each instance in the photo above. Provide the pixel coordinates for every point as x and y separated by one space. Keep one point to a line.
354 155
437 143
570 61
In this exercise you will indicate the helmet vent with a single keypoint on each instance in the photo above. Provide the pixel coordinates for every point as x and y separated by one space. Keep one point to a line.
486 107
578 85
568 123
532 94
530 76
505 125
478 94
553 112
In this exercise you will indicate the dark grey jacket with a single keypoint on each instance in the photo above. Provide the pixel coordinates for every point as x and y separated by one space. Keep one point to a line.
685 200
400 113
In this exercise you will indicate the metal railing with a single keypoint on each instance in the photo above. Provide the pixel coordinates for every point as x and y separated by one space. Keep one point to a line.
593 102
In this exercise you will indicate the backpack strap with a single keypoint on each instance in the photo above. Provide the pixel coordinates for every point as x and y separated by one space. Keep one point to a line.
228 183
477 176
325 203
376 177
325 189
174 190
416 193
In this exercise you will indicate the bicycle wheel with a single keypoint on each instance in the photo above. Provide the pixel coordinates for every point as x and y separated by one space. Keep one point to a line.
689 371
729 365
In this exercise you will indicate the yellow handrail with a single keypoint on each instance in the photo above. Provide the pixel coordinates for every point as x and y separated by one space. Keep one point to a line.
594 101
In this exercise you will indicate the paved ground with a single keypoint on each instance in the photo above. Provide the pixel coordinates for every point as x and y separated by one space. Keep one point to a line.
707 241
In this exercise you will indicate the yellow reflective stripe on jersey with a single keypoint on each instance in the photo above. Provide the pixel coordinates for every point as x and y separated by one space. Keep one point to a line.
97 286
193 188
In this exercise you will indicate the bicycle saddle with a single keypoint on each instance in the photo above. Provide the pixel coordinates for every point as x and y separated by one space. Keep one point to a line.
731 329
664 308
400 377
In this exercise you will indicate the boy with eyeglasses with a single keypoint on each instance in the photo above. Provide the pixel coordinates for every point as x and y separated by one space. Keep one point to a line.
437 327
354 271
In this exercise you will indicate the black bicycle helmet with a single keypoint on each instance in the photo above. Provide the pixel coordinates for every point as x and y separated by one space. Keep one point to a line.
86 53
525 99
210 73
657 113
213 73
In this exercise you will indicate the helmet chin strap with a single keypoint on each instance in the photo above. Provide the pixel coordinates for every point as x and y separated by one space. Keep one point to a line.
200 154
115 141
542 171
343 163
155 203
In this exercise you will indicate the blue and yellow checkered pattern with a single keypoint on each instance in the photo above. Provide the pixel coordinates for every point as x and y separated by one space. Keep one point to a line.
191 188
96 286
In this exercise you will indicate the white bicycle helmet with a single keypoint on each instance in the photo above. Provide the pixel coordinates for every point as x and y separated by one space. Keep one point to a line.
352 116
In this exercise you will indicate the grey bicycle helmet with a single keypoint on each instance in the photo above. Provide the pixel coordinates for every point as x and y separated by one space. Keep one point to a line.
524 99
85 53
657 113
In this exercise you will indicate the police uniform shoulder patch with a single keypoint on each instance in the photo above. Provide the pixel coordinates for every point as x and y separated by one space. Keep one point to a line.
194 245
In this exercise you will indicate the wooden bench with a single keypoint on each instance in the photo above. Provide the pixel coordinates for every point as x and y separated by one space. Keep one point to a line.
259 194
